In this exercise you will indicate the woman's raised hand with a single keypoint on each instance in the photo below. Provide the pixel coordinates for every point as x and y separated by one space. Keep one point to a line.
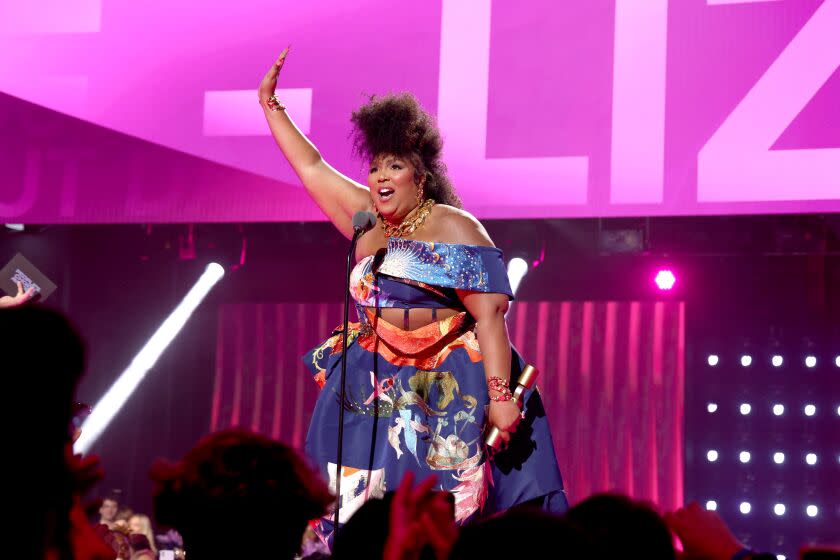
269 82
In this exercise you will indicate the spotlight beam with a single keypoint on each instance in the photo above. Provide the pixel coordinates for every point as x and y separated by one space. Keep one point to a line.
118 394
517 268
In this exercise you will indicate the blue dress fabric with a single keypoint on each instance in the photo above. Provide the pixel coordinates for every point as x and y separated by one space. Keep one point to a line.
416 399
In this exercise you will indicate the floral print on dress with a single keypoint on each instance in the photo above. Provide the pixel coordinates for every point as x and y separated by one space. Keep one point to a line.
432 414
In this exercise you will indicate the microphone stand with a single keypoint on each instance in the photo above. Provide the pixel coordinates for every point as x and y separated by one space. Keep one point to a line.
357 232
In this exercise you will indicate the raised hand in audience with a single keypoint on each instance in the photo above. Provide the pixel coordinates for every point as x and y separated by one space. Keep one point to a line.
420 517
18 299
703 533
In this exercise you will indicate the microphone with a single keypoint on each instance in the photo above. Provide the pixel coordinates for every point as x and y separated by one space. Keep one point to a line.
363 221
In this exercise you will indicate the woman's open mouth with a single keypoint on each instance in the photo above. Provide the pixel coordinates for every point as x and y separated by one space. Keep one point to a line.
385 193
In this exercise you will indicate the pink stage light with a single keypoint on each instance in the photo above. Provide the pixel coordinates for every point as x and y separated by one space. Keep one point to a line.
665 279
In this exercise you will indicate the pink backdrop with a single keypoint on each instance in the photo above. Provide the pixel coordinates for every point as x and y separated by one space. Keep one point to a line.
612 379
550 108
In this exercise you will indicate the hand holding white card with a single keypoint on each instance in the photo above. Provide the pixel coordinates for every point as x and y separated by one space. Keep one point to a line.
23 281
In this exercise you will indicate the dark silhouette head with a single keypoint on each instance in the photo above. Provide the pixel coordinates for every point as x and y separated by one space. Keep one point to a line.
628 528
42 362
237 494
524 533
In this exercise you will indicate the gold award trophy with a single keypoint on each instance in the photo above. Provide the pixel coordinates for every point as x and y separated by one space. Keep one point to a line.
527 380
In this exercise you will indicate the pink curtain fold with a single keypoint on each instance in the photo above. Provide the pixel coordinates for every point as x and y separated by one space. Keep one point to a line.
612 380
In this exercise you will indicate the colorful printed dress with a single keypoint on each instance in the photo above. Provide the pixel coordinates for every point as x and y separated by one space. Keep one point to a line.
417 399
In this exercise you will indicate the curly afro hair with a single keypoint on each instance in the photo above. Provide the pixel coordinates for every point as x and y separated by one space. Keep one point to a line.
236 490
397 124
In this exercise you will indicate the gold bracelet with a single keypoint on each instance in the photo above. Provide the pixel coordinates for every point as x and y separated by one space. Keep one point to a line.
274 104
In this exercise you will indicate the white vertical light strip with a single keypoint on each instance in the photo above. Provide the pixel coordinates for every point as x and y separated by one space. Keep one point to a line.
638 109
517 268
117 395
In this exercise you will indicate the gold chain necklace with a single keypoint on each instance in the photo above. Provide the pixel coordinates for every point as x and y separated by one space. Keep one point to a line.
409 225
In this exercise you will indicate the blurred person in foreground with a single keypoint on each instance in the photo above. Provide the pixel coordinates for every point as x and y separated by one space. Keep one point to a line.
43 364
237 494
139 524
705 536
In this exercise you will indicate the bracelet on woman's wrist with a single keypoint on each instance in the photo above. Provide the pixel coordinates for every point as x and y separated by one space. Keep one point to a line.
274 104
501 386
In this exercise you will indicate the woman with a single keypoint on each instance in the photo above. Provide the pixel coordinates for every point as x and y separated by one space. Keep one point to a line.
429 364
139 524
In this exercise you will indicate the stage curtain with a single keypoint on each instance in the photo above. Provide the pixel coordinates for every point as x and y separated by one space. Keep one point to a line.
612 379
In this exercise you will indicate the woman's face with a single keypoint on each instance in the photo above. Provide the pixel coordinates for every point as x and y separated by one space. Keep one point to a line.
392 186
135 525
